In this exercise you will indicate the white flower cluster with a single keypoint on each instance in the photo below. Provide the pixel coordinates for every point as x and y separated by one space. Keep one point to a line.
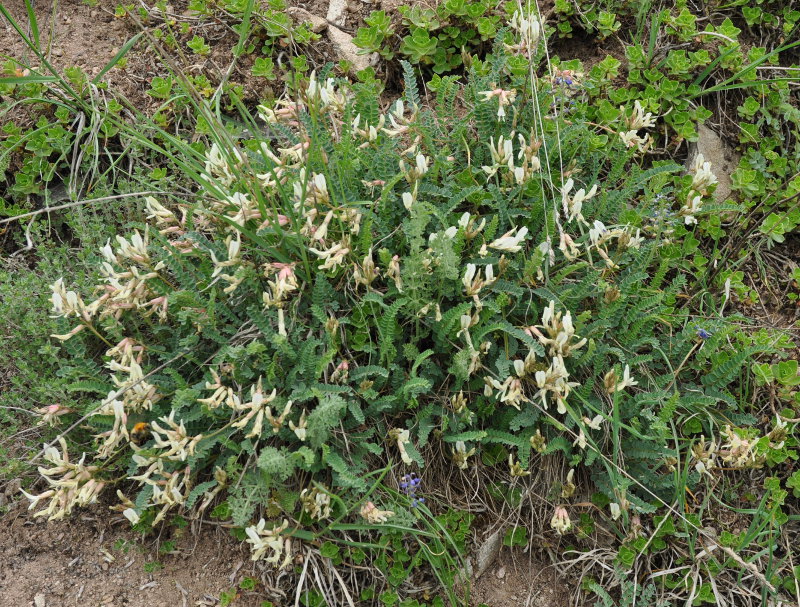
517 171
177 445
613 384
125 289
702 180
560 522
600 236
573 205
466 322
218 166
135 391
504 99
373 515
400 123
461 454
326 95
256 410
637 121
169 488
170 226
511 241
528 29
557 334
316 503
740 449
263 540
402 437
71 484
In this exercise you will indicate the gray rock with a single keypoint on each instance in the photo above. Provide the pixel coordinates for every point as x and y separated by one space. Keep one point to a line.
301 15
487 552
723 158
345 49
12 487
336 10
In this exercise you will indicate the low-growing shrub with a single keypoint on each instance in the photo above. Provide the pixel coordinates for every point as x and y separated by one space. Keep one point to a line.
354 290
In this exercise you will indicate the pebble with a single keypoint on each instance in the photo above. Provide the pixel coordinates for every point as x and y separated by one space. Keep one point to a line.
723 158
345 49
336 10
488 551
38 600
301 15
12 487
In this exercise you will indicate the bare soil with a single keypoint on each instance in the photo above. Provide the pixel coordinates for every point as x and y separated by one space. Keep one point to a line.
518 580
71 34
93 559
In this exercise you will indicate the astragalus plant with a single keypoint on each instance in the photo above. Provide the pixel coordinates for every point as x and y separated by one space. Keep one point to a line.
356 286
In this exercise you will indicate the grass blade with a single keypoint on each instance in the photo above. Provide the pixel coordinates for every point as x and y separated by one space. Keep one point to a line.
749 67
122 52
32 79
33 22
16 26
244 28
745 84
706 72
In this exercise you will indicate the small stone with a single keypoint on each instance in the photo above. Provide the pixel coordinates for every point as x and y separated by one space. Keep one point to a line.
12 487
500 573
723 158
336 10
487 552
347 51
301 15
38 600
104 566
58 52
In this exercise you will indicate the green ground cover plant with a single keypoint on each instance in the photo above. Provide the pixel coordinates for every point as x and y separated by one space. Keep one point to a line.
343 302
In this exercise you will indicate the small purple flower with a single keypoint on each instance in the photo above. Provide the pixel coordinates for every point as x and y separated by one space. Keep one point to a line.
703 334
409 483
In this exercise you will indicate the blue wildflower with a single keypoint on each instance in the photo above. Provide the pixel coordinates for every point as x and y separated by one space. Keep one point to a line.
703 334
409 483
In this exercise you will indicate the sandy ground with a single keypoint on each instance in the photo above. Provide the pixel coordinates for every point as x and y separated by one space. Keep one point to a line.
517 580
94 559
